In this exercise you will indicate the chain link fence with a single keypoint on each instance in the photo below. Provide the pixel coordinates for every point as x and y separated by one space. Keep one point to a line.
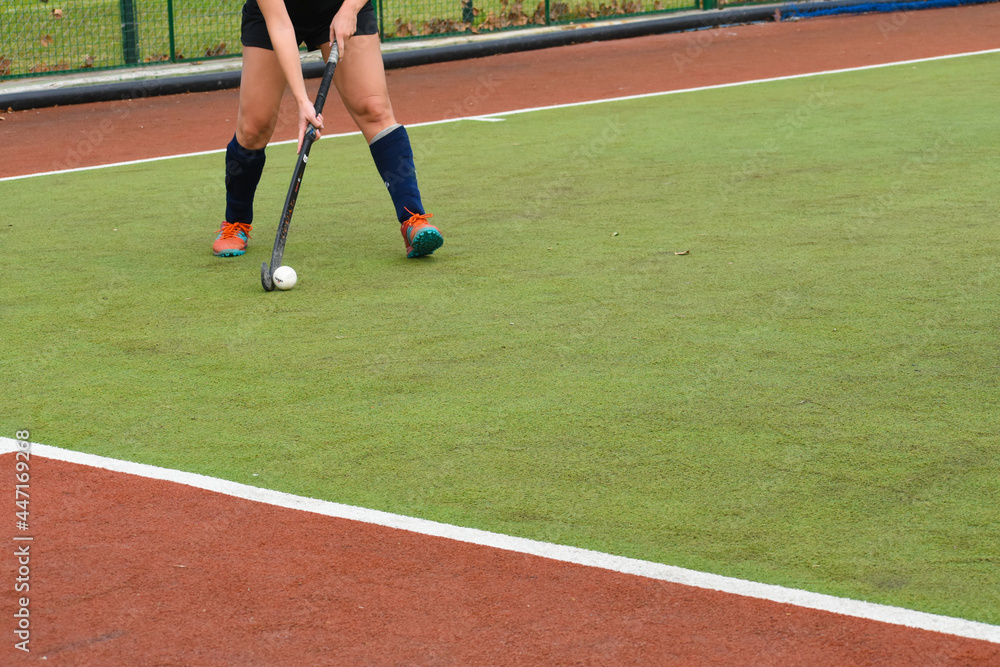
45 36
39 36
400 19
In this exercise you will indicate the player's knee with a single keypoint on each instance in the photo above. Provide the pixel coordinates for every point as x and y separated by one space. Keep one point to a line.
254 133
374 110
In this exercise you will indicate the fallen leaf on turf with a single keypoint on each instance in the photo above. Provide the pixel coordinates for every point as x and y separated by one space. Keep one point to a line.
683 252
47 40
57 13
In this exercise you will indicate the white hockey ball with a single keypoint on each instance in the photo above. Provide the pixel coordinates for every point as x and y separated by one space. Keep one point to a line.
284 278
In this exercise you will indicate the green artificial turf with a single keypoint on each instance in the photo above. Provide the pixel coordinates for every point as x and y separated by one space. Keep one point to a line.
807 398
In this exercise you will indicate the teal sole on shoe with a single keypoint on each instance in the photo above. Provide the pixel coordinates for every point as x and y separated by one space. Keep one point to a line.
425 243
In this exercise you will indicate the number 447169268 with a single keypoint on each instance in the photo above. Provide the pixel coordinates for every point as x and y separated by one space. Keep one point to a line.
22 474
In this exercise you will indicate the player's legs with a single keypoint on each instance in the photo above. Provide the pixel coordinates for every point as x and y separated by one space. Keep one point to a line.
261 86
360 80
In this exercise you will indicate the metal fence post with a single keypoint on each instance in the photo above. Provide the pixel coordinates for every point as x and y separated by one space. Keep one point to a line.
170 30
130 33
467 12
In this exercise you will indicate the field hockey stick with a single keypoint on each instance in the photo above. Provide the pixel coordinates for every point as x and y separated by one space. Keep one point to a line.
266 271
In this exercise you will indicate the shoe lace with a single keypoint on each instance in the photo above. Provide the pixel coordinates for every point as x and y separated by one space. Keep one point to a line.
417 218
231 229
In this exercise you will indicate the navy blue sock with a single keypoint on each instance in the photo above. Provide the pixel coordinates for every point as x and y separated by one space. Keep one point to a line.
243 170
394 161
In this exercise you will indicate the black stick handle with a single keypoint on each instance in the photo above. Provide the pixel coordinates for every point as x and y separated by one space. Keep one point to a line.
324 85
324 88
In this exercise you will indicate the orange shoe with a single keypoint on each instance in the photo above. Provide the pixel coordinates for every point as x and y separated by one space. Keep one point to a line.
232 239
421 237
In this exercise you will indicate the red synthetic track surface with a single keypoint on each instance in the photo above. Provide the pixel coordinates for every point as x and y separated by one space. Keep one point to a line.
132 570
125 570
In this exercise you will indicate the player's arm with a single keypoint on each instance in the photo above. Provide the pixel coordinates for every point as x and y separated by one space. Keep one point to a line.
345 23
282 34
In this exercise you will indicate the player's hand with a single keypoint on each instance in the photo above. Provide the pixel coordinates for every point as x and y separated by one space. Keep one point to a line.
343 27
307 117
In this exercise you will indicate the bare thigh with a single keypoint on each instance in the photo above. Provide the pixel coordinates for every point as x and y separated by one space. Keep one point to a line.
360 80
262 84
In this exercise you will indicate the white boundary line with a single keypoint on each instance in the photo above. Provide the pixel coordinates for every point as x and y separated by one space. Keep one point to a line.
496 116
567 554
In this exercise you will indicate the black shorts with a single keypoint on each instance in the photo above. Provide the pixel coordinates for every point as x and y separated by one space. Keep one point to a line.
310 18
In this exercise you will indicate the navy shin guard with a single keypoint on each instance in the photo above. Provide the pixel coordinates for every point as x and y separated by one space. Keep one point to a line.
243 169
394 161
